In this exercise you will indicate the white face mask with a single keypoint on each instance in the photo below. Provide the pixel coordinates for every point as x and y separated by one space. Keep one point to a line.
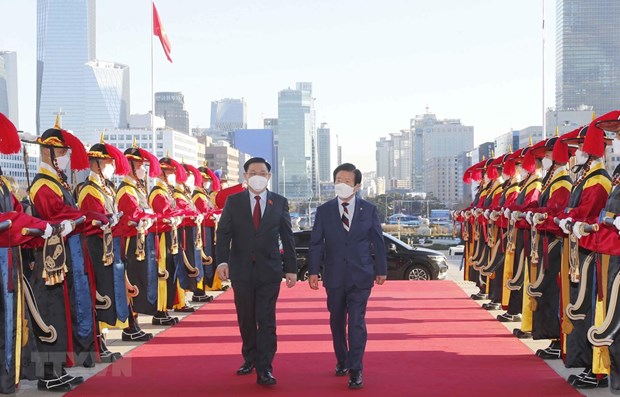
506 177
344 191
581 157
108 171
546 163
172 179
523 172
258 183
615 144
486 178
207 185
63 161
141 173
190 182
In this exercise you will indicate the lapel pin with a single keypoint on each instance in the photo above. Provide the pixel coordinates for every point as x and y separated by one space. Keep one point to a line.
269 202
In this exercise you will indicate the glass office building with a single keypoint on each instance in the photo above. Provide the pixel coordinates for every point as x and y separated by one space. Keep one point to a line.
89 93
588 54
295 131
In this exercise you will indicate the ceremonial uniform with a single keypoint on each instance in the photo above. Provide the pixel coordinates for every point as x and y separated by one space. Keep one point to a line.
579 290
137 241
104 250
62 290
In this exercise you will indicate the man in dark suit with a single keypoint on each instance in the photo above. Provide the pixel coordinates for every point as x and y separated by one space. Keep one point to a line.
347 242
249 254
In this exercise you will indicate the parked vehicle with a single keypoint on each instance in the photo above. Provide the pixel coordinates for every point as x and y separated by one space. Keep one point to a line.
404 262
456 250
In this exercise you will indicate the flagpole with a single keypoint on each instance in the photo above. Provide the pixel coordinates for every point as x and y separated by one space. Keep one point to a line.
544 117
153 134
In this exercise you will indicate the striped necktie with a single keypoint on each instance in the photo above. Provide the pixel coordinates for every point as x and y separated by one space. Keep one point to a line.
345 216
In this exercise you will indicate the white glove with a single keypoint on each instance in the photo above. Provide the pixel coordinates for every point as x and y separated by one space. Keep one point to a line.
617 222
149 211
538 218
48 231
486 213
528 217
516 216
199 219
494 216
216 217
563 223
507 213
576 226
66 227
114 219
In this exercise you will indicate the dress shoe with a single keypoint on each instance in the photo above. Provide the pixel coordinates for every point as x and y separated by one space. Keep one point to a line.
245 369
548 354
134 335
185 309
520 334
72 380
202 298
574 378
591 381
265 379
56 384
492 306
479 296
355 379
341 369
507 318
224 287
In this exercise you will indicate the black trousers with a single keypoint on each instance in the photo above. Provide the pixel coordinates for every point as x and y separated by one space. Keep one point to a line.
256 314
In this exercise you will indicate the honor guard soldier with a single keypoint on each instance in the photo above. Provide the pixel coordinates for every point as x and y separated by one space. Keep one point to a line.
138 241
103 245
189 260
605 240
588 197
514 275
60 282
495 269
162 202
543 293
495 183
202 204
473 215
16 337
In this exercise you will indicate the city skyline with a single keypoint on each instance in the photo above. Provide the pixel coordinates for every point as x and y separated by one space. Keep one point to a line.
373 67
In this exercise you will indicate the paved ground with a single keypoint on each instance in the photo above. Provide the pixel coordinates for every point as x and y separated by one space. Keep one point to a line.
115 344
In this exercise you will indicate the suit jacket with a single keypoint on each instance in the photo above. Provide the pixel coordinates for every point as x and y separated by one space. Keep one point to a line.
347 256
255 254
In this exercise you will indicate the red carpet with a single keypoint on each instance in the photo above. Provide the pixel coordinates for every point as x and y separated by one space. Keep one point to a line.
425 339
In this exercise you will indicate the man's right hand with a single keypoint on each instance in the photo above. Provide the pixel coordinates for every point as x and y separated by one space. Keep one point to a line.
313 281
222 271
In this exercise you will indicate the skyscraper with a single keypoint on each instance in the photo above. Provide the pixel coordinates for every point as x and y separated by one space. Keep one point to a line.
295 141
227 115
8 86
92 94
324 153
171 106
588 54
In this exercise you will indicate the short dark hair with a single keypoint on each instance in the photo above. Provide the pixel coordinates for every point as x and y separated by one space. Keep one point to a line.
256 160
351 168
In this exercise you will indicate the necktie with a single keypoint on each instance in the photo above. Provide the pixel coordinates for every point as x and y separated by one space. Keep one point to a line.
256 212
345 216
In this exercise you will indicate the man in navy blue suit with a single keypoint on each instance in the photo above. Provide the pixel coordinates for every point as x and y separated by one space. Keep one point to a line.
347 242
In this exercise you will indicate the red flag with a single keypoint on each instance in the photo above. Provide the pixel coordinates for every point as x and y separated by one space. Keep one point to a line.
159 31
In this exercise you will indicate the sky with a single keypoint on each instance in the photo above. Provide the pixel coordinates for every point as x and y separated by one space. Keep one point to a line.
374 65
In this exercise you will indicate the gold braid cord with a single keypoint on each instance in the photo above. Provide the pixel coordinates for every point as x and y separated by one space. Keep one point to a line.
36 316
140 245
108 247
54 260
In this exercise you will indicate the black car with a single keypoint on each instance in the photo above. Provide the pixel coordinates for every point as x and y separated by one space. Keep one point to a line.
404 262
